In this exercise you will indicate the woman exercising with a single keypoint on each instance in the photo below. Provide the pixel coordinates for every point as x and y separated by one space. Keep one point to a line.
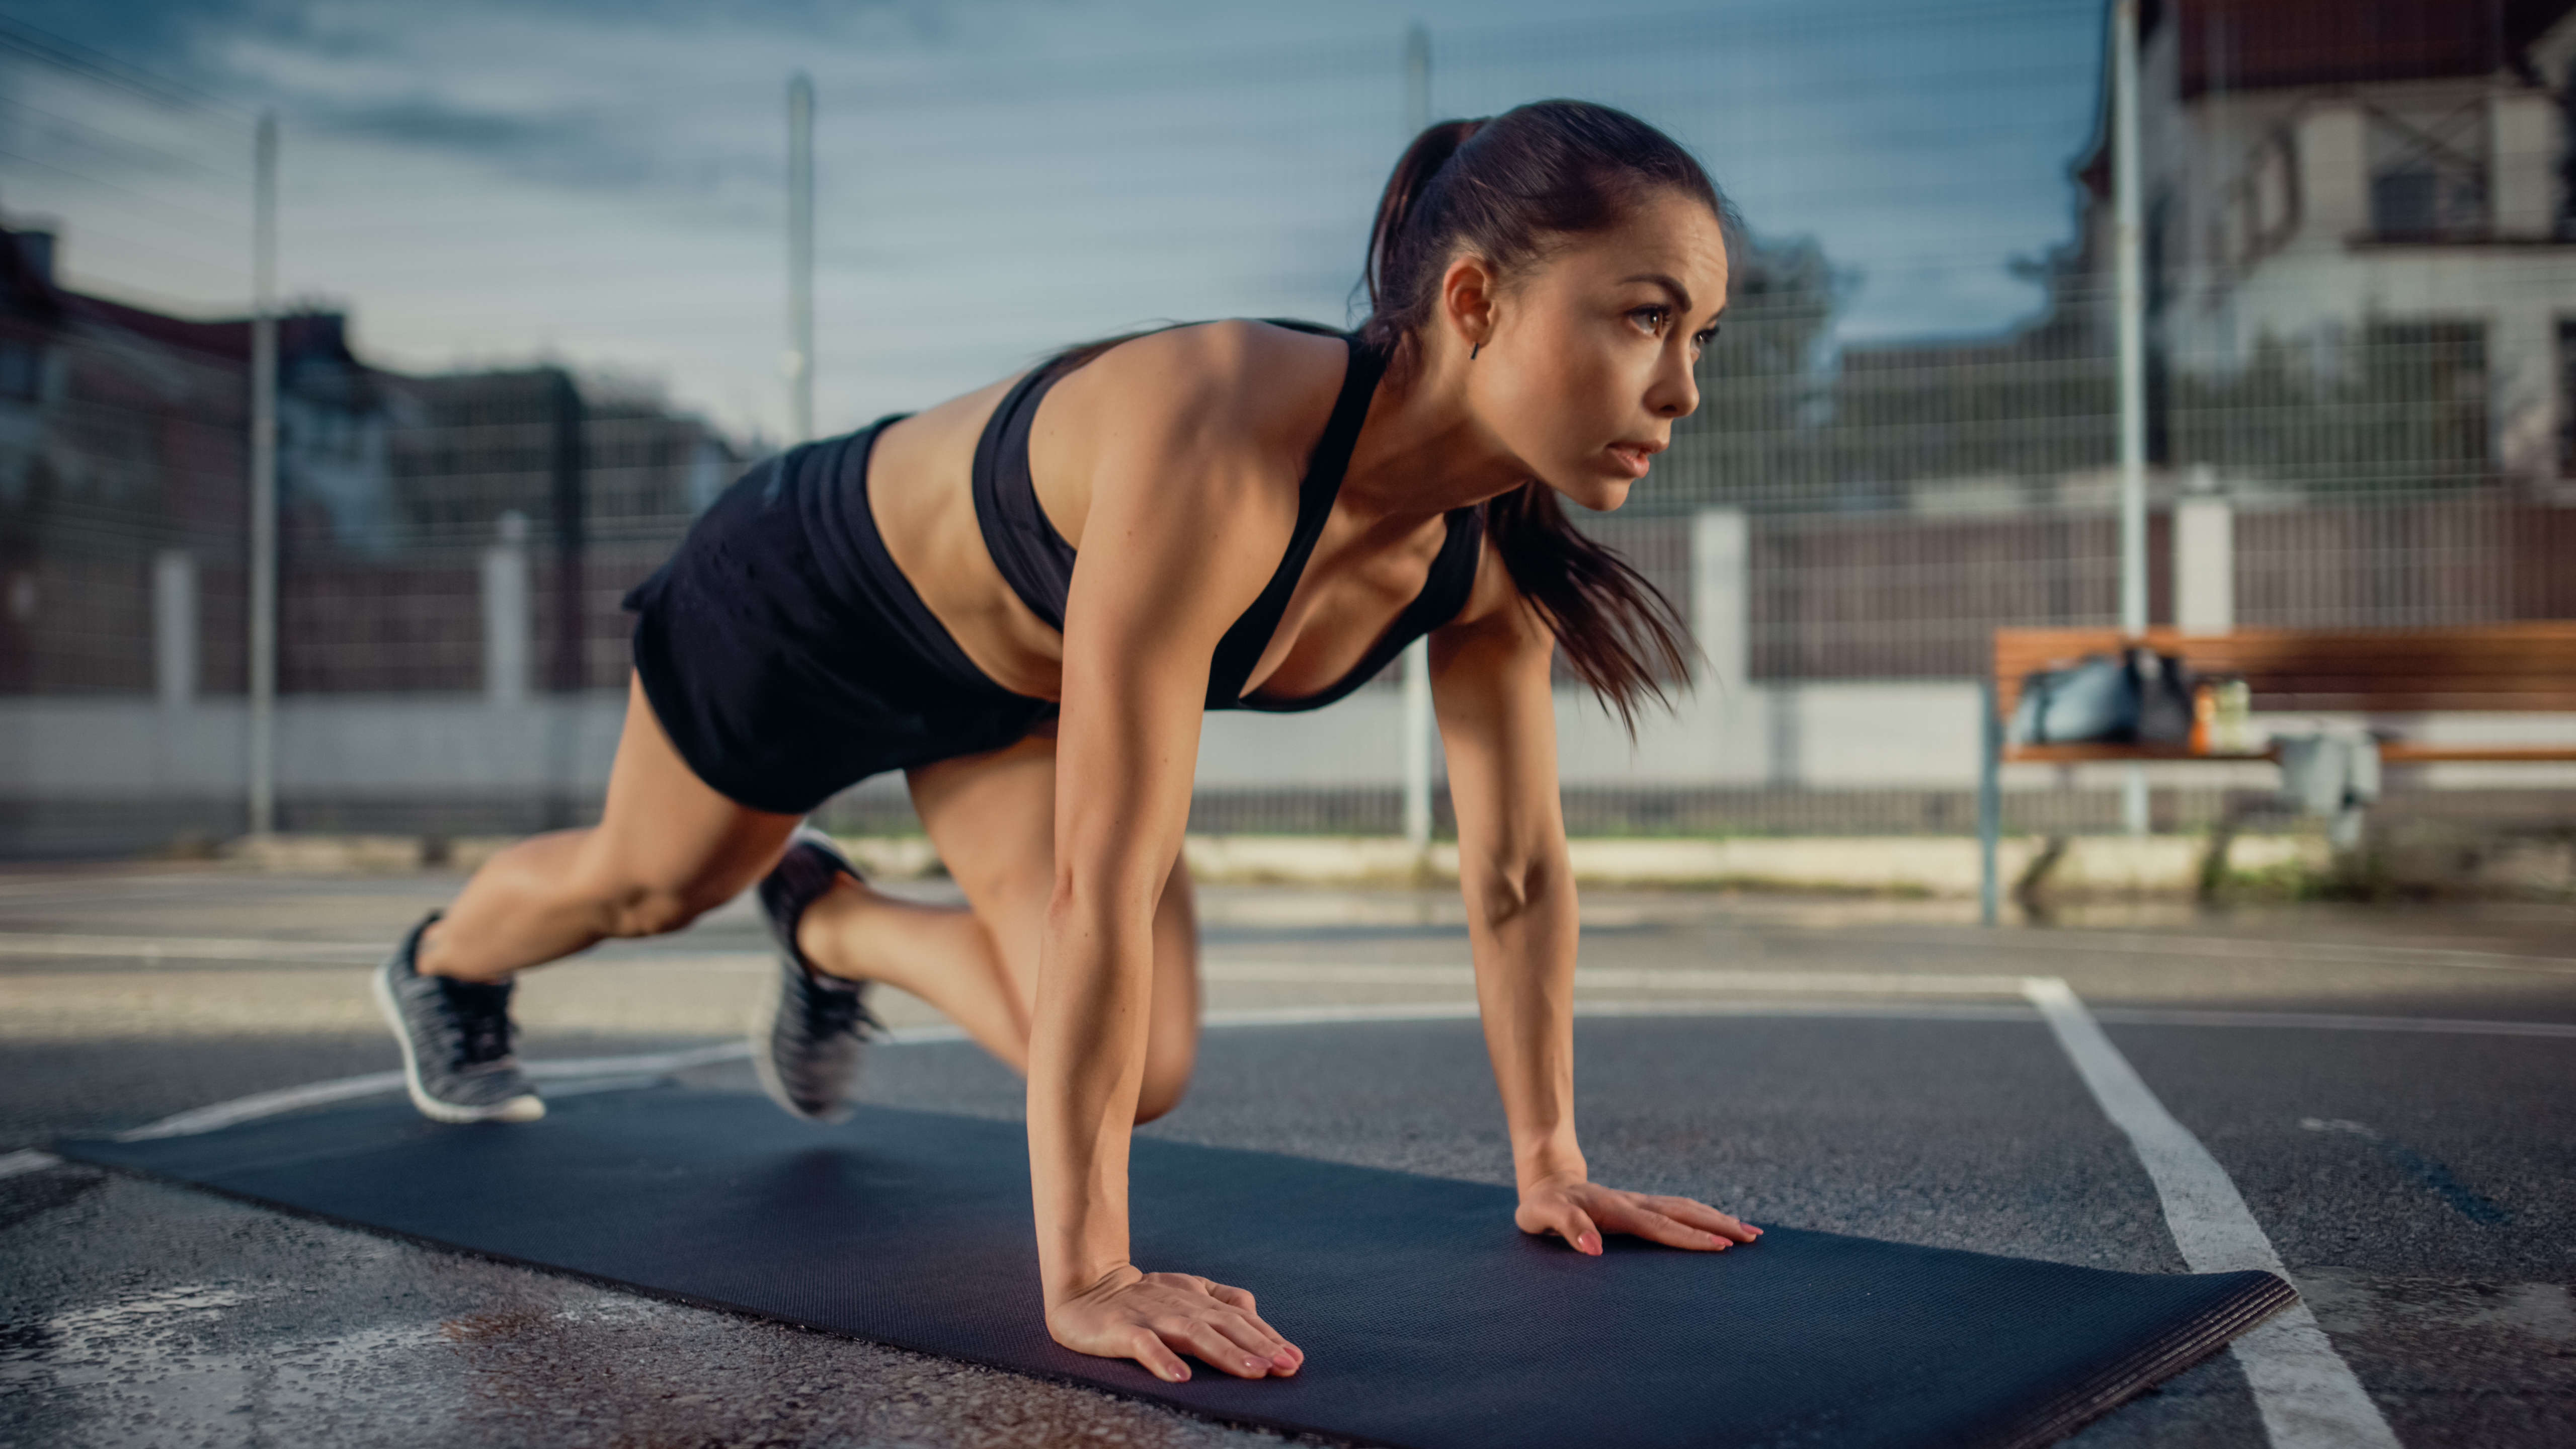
1025 597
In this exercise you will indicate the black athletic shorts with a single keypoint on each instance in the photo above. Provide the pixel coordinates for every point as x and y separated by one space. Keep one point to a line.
786 656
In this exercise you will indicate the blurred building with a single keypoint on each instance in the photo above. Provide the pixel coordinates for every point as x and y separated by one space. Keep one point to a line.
2368 202
466 533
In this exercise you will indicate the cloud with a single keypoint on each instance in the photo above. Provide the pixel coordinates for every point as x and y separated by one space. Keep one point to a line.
603 179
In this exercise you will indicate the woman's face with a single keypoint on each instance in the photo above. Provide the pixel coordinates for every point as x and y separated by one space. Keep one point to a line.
1587 360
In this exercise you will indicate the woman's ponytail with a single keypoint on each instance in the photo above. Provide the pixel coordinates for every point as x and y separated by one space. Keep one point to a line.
1402 201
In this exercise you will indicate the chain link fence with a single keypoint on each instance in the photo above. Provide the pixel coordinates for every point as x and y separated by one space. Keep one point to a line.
1906 437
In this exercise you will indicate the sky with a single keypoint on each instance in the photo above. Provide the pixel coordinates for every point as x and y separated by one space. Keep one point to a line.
602 182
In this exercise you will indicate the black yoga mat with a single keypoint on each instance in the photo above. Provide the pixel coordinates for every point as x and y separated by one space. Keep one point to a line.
1427 1320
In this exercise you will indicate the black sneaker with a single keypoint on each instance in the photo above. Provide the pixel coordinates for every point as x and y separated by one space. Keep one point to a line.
455 1039
807 1038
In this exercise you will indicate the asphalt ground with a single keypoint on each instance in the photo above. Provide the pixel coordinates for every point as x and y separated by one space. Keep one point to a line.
2382 1084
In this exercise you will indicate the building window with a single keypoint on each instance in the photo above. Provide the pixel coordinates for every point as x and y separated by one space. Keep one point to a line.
2429 174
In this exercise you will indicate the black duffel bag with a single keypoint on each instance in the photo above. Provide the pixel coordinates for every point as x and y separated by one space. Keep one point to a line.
2136 696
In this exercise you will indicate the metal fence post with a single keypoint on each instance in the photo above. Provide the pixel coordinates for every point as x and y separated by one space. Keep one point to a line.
263 485
2133 364
800 259
1990 802
174 628
1417 655
506 613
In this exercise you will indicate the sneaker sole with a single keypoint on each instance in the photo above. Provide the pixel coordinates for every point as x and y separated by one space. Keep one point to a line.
763 1030
525 1108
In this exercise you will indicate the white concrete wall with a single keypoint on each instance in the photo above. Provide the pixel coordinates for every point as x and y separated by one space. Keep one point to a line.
174 627
1850 735
354 745
2204 565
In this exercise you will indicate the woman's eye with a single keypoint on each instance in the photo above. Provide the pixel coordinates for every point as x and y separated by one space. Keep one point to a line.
1651 319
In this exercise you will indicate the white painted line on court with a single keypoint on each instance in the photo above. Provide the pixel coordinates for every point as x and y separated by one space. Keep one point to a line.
1638 1007
349 953
2324 951
652 1064
1615 978
203 948
317 1094
2306 1393
2326 1021
610 1073
185 948
19 1164
616 1073
263 1104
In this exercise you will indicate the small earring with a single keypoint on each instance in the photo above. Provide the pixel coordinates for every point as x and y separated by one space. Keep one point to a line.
1472 351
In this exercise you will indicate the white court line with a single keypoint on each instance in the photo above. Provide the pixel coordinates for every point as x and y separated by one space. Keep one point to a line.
19 1164
642 1069
2326 1021
354 953
2231 949
185 948
1883 983
316 1094
2306 1393
201 948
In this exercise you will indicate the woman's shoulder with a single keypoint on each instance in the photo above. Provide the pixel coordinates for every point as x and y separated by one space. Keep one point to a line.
1259 381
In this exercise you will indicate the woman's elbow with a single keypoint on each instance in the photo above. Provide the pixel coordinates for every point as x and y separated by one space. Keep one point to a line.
1503 892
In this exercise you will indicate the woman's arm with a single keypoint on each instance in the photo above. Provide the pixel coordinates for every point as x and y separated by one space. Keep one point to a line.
1183 528
1489 679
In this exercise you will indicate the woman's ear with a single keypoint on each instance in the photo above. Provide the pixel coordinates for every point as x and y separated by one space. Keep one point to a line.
1468 301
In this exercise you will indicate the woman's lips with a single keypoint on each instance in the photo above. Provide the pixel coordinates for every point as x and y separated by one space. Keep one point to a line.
1633 457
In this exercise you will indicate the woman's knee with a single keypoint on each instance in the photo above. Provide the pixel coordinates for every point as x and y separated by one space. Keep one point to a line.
644 907
1168 1067
1160 1096
650 910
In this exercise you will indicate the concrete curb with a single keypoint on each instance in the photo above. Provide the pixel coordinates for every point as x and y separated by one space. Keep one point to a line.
1921 866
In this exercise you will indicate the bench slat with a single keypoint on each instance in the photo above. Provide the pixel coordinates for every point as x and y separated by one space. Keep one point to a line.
2527 665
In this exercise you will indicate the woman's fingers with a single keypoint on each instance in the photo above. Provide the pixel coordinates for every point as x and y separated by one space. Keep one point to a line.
1577 1228
1647 1223
1701 1215
1287 1355
1248 1334
1159 1317
1580 1212
1217 1346
1146 1347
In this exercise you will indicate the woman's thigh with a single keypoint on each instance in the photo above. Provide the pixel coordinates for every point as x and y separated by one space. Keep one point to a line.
992 816
668 844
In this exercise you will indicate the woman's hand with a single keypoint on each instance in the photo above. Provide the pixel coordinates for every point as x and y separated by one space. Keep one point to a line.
1154 1318
1580 1212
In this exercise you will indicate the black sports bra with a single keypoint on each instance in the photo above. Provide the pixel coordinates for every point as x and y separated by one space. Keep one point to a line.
1039 563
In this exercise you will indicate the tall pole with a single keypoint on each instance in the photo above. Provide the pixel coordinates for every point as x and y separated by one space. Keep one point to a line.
800 259
263 484
2133 362
1417 655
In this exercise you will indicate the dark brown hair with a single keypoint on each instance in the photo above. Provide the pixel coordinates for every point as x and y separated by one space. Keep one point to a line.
1508 189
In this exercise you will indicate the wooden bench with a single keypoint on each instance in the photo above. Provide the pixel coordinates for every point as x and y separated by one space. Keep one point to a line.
2484 667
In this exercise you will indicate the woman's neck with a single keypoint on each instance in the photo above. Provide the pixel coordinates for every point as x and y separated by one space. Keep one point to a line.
1422 451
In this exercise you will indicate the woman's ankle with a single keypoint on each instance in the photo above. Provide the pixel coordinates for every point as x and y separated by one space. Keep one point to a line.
827 926
433 955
